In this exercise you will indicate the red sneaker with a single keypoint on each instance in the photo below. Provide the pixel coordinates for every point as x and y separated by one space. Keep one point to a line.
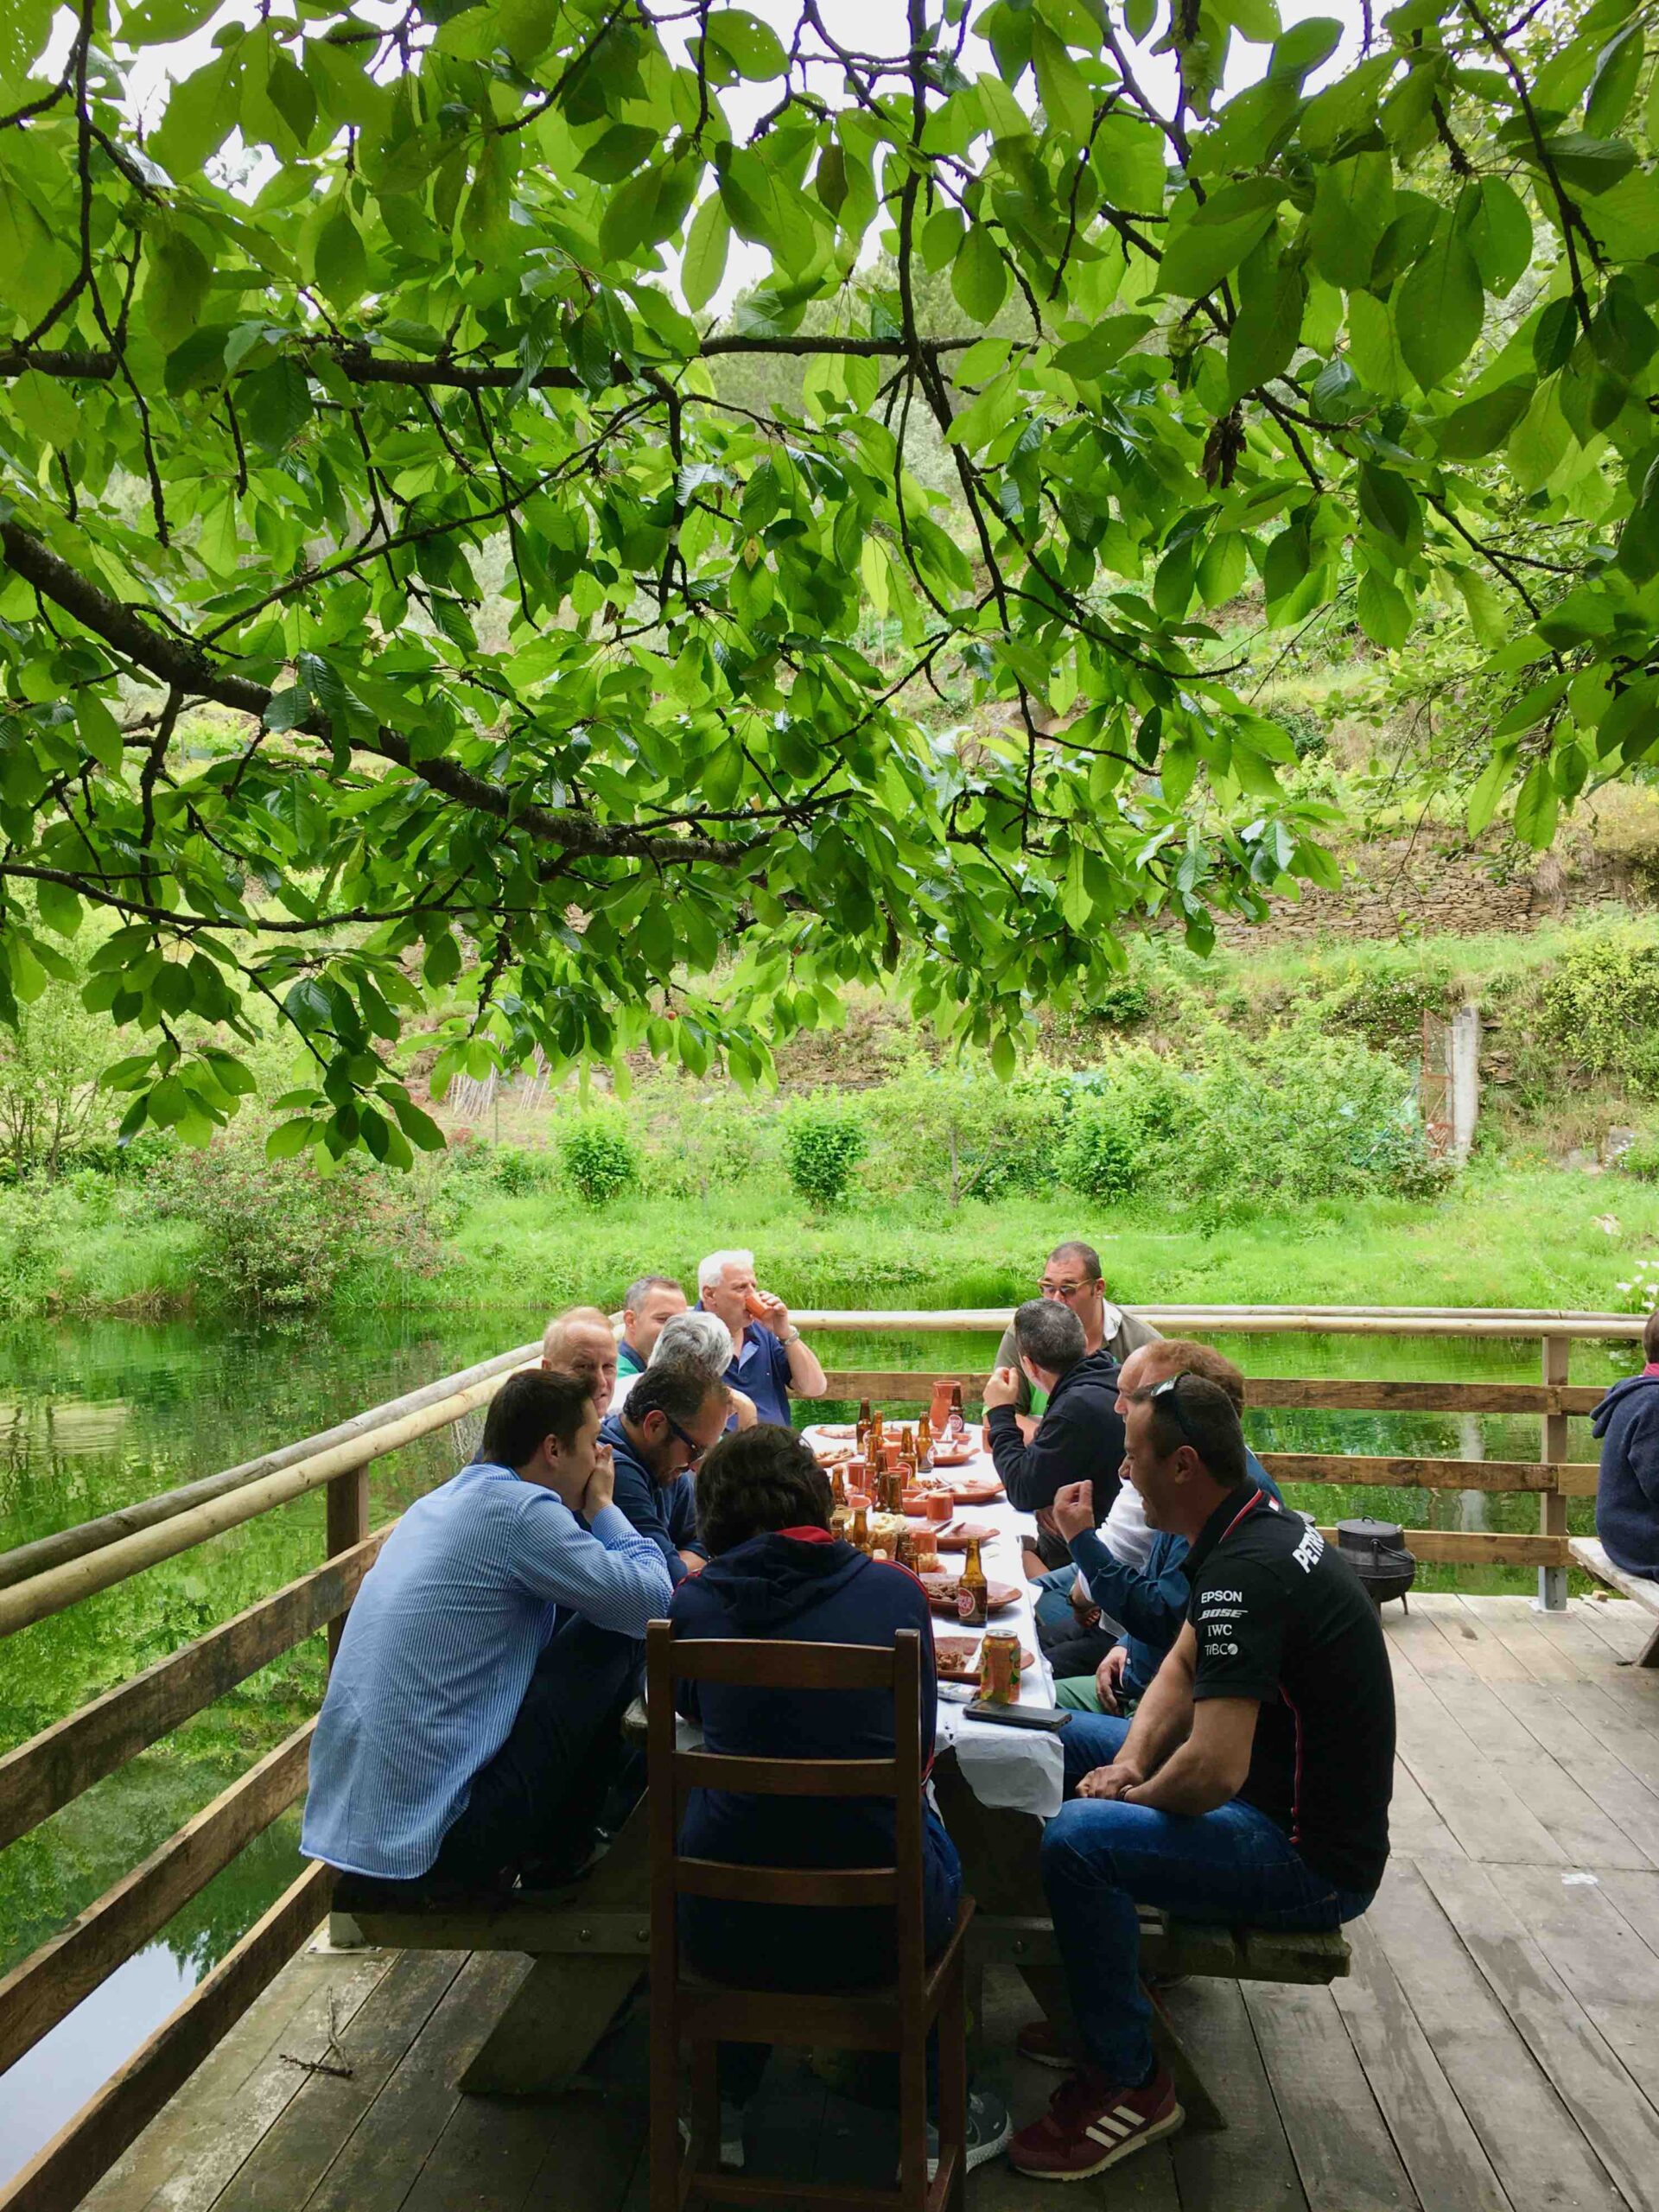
1091 2124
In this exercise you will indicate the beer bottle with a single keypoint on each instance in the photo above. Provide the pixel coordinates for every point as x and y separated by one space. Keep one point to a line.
973 1591
859 1537
955 1424
862 1429
838 1486
924 1447
876 1440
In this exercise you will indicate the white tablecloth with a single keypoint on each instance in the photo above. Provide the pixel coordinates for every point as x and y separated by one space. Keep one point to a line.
1021 1768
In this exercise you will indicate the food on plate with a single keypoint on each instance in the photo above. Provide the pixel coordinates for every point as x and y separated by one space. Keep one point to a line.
837 1430
832 1455
941 1594
958 1658
976 1490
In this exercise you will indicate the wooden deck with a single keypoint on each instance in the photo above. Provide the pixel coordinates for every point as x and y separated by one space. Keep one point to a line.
1496 2049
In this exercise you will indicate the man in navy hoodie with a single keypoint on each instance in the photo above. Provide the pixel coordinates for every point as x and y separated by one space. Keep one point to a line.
777 1570
1627 1492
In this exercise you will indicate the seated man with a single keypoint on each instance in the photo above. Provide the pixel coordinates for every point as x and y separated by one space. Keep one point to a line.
473 1711
1080 1438
1627 1490
769 1360
650 1301
1132 1580
675 1411
579 1343
1073 1276
705 1340
776 1570
1251 1787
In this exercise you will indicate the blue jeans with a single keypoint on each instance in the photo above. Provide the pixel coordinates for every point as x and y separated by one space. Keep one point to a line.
1102 1858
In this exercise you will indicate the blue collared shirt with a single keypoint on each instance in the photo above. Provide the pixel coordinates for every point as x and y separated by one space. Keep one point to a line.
760 1371
438 1651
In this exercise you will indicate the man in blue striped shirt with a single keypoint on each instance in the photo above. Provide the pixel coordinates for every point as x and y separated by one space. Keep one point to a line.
473 1716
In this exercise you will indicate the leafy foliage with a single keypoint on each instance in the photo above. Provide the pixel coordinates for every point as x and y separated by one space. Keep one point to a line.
1600 1011
598 1159
822 1146
540 656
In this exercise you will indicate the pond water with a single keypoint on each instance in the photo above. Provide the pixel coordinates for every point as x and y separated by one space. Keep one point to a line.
93 1416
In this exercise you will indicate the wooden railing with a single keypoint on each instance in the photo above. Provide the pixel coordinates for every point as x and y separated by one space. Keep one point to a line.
54 1767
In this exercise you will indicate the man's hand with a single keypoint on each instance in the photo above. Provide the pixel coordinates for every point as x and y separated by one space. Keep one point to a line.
601 1484
1027 1425
1113 1781
1074 1510
743 1406
1001 1388
693 1562
777 1312
1109 1678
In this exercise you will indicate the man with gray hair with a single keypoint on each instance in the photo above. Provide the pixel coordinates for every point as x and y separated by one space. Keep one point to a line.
1081 1435
769 1359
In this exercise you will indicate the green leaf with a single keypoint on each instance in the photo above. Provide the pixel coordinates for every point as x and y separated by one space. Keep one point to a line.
1618 71
177 277
1353 205
1200 255
200 114
158 23
1480 426
1489 788
46 407
289 1139
753 46
1090 356
1484 608
1440 310
978 275
1385 614
1537 806
343 264
1068 104
1500 235
703 263
1268 328
275 404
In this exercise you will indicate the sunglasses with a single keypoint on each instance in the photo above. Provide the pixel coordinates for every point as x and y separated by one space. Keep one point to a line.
1060 1289
1167 1395
694 1451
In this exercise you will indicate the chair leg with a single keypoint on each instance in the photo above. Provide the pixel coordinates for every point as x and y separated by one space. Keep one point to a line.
1202 2113
705 2107
953 2081
913 2126
667 2174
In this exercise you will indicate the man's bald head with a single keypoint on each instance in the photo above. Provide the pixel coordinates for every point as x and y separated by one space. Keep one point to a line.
1167 1356
579 1343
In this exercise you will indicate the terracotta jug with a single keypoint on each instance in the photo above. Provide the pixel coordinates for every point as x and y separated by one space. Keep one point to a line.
939 1411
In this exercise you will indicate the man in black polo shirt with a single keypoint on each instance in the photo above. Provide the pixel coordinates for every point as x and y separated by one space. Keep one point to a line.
1251 1787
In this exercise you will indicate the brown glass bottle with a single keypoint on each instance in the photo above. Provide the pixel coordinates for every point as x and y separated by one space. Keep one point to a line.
973 1591
955 1425
859 1535
924 1447
862 1429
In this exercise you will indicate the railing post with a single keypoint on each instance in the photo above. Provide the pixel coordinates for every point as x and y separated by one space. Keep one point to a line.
1552 1505
347 1525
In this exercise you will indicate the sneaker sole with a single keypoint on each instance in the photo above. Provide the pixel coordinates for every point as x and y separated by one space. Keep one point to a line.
979 2154
1124 2149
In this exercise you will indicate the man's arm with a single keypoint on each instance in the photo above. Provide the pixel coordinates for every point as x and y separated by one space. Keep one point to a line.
1067 1448
646 1506
1151 1606
1161 1725
613 1576
1209 1769
680 1499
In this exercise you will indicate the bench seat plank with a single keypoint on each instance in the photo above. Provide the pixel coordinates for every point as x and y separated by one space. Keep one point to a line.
1592 1558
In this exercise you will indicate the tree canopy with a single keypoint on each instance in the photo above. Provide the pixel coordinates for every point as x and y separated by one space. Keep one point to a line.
364 386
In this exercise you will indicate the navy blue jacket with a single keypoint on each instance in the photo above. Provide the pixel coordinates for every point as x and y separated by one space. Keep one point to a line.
1627 1492
1150 1601
1079 1439
667 1512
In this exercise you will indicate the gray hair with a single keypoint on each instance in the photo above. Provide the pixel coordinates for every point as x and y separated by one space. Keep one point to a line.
679 1387
710 1270
637 1292
1049 1334
702 1339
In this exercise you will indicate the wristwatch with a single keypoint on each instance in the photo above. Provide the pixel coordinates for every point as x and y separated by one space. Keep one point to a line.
793 1338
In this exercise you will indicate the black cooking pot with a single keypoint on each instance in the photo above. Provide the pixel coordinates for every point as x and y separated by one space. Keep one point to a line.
1376 1551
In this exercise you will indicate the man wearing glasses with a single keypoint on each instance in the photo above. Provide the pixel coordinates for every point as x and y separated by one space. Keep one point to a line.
675 1411
1251 1787
1073 1276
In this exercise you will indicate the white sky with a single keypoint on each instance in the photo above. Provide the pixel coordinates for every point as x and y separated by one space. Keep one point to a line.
868 26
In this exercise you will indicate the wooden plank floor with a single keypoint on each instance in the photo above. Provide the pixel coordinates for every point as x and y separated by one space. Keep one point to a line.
1496 2050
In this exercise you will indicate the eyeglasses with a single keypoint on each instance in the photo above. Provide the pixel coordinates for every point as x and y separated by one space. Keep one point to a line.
1167 1395
1060 1289
694 1451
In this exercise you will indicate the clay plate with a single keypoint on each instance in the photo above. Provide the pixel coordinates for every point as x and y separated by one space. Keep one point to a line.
958 1658
941 1594
955 1540
977 1489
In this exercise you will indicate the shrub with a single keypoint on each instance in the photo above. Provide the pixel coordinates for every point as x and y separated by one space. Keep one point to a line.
1102 1159
1642 1159
1599 1010
598 1159
822 1146
517 1172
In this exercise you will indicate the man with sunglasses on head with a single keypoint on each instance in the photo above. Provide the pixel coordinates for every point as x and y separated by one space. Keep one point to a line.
675 1411
1251 1787
1072 1276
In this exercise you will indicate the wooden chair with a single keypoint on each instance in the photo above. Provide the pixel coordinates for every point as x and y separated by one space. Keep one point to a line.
895 2017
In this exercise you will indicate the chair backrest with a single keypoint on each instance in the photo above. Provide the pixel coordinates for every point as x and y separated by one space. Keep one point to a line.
763 1664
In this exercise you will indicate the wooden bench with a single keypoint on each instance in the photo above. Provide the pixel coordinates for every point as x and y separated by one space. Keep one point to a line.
1589 1555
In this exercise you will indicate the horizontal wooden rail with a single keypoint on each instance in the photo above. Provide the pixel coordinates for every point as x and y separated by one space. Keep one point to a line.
1571 1479
1475 1548
55 1766
904 1386
88 2145
52 1981
64 1544
43 1594
1254 1320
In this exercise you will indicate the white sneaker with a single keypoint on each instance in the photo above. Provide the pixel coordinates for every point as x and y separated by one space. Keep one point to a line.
990 2130
732 2117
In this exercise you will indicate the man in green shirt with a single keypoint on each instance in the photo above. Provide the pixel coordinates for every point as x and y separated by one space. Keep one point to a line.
1073 1276
650 1302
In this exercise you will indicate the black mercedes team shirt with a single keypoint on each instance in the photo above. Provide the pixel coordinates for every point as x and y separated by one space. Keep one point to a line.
1280 1617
